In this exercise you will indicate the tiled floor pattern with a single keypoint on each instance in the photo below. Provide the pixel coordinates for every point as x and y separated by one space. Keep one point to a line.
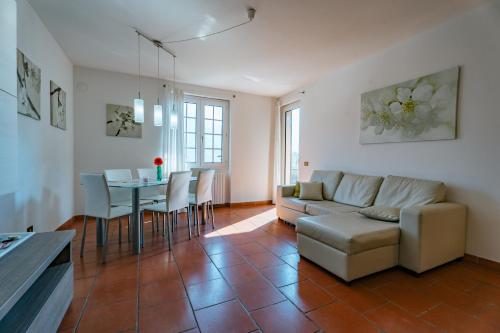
247 276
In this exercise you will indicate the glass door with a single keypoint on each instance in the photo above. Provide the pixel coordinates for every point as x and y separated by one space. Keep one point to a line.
205 132
291 119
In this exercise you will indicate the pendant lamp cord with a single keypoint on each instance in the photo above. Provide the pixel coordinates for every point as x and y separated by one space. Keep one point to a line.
139 57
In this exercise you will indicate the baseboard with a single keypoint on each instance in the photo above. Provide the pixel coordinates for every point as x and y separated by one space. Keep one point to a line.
250 203
482 261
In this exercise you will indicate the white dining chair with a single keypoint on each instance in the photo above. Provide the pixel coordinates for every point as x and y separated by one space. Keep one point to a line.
195 172
98 205
203 196
177 198
121 196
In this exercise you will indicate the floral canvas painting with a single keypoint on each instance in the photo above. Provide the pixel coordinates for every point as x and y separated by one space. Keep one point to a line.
57 106
29 79
415 110
120 122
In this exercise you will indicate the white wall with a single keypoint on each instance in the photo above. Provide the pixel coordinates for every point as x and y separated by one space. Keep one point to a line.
251 130
470 165
45 154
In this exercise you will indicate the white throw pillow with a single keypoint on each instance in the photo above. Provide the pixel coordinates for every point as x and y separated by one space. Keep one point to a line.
311 191
389 214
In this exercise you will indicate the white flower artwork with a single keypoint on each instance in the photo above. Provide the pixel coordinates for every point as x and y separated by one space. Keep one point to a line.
416 110
120 122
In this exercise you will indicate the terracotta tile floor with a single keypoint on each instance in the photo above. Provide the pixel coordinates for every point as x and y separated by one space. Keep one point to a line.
247 276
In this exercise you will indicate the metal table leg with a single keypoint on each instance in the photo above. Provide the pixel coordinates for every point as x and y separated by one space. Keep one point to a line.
136 221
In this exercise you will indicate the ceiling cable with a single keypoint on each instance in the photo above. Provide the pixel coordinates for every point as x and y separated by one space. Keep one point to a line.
250 13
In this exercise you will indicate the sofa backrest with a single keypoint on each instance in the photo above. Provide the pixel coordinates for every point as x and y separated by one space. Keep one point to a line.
402 192
330 180
357 190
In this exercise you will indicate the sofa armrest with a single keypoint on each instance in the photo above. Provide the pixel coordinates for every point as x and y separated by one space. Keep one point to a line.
432 235
285 191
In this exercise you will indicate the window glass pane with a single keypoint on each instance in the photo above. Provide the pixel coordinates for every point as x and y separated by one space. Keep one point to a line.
191 125
185 108
217 155
208 155
208 140
217 127
209 126
190 140
191 110
218 141
191 155
209 112
218 112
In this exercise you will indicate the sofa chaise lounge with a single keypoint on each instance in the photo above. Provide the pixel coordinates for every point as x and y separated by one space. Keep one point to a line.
425 233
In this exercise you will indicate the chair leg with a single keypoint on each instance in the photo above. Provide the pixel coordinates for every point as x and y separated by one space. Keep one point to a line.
212 214
197 219
153 223
119 230
188 221
128 228
83 235
157 222
105 247
141 223
163 215
169 233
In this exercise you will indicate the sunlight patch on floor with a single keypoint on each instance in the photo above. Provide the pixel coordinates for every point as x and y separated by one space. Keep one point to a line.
246 225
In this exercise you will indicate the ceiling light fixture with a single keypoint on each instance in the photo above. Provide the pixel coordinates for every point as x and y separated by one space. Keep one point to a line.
138 102
157 108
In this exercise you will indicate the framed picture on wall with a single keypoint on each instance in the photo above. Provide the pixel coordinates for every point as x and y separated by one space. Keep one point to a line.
416 110
57 106
29 78
120 122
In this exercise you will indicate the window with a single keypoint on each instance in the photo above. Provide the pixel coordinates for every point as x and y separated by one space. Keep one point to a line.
291 119
190 132
205 132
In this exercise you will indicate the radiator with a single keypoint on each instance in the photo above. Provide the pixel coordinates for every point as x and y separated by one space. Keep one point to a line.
219 188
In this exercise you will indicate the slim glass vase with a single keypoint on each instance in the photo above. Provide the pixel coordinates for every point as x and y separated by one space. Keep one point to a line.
158 173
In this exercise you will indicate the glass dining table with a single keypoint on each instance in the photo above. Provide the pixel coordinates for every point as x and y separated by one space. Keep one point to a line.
134 186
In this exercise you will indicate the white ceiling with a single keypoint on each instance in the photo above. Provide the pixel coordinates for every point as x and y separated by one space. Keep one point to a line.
290 42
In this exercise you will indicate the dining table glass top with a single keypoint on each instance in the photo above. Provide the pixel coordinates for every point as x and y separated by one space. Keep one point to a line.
139 183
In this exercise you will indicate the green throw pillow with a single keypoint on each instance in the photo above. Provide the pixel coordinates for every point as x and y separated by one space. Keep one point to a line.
296 192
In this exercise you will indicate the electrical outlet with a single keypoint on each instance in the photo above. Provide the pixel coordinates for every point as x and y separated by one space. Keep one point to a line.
29 229
306 163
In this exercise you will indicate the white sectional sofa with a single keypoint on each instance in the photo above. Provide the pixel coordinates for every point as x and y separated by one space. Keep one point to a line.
332 233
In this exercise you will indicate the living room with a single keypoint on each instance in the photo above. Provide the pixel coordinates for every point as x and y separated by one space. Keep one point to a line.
338 164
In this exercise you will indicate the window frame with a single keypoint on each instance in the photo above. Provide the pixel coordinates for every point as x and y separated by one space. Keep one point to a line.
200 137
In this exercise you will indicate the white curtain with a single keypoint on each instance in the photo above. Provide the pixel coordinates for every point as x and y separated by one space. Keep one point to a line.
277 149
173 129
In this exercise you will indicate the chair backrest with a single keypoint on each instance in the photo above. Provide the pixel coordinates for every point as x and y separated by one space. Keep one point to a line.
204 186
195 173
178 190
97 198
149 173
116 175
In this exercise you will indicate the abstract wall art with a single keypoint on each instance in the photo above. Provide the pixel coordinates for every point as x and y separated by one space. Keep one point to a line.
57 106
120 122
29 80
417 110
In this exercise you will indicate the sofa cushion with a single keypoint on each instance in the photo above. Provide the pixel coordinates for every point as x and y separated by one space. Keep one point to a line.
330 180
383 213
349 233
405 192
296 203
311 191
328 207
357 190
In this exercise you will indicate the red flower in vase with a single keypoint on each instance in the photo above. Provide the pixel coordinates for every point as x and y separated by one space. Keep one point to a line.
158 161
